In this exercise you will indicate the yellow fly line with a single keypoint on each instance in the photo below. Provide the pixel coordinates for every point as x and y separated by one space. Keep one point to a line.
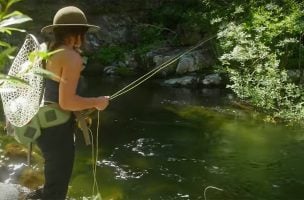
154 71
95 150
148 75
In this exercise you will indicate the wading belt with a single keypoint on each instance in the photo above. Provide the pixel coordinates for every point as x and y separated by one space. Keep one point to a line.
48 116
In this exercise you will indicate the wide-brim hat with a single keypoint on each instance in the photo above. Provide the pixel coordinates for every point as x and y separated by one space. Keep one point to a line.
69 16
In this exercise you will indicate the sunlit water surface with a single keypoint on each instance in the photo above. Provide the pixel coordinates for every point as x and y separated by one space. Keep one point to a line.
167 143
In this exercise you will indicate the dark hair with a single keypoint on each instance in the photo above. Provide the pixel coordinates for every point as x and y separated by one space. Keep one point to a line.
60 33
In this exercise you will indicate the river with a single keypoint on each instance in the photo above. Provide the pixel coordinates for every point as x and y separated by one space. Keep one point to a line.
162 143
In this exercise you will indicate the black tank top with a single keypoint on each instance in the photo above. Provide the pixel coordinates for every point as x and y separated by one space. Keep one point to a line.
51 93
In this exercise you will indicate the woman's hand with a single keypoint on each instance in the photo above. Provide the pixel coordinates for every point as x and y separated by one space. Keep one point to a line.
102 102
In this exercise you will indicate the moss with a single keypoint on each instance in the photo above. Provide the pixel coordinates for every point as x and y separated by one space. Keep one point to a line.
31 178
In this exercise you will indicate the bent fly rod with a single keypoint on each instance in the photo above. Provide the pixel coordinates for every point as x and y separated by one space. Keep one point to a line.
148 75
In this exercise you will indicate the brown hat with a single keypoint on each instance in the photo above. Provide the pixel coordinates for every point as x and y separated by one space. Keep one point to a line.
69 16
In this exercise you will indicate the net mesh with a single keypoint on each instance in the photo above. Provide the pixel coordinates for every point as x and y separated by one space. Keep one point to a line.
20 101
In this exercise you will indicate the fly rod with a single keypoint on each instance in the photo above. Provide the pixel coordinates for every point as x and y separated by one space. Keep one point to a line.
148 75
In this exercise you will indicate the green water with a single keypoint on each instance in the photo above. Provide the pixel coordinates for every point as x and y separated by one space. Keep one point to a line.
171 143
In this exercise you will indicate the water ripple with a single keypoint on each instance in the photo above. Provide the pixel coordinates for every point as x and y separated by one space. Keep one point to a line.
122 172
144 146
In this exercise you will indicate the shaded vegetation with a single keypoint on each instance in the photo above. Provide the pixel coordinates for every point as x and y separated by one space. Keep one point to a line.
258 43
8 19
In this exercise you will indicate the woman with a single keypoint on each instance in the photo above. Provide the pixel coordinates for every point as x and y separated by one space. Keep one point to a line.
57 142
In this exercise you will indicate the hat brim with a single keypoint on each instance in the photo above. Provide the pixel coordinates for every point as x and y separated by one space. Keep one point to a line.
50 28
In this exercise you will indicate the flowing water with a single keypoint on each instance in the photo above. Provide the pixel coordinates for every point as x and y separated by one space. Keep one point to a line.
167 143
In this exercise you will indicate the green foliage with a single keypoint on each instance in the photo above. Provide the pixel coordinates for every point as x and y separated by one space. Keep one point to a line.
109 55
39 56
171 14
150 37
7 20
182 21
149 33
124 71
254 52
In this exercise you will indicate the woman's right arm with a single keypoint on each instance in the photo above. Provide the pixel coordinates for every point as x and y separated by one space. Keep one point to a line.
71 65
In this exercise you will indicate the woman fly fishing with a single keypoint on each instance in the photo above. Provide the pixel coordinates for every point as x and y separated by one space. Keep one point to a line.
57 142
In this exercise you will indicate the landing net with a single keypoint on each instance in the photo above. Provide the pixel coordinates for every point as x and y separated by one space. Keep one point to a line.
21 101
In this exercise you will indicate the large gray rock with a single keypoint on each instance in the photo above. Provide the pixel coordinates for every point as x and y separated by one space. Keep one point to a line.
8 192
183 81
160 59
12 191
110 70
194 61
186 64
212 79
114 29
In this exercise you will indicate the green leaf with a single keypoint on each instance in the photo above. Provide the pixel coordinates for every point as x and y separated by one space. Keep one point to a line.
54 52
11 2
43 55
5 44
8 30
12 14
46 74
4 55
18 19
13 79
8 51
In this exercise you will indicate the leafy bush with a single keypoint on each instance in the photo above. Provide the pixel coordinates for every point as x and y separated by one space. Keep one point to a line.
109 55
253 53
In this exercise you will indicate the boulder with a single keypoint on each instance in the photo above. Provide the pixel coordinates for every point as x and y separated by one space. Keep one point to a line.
182 81
160 59
12 191
194 61
110 70
8 192
186 64
212 79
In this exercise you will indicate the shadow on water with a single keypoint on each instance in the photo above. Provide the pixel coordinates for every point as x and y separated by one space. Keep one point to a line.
171 143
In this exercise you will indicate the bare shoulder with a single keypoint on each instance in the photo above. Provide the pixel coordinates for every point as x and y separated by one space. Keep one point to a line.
68 58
